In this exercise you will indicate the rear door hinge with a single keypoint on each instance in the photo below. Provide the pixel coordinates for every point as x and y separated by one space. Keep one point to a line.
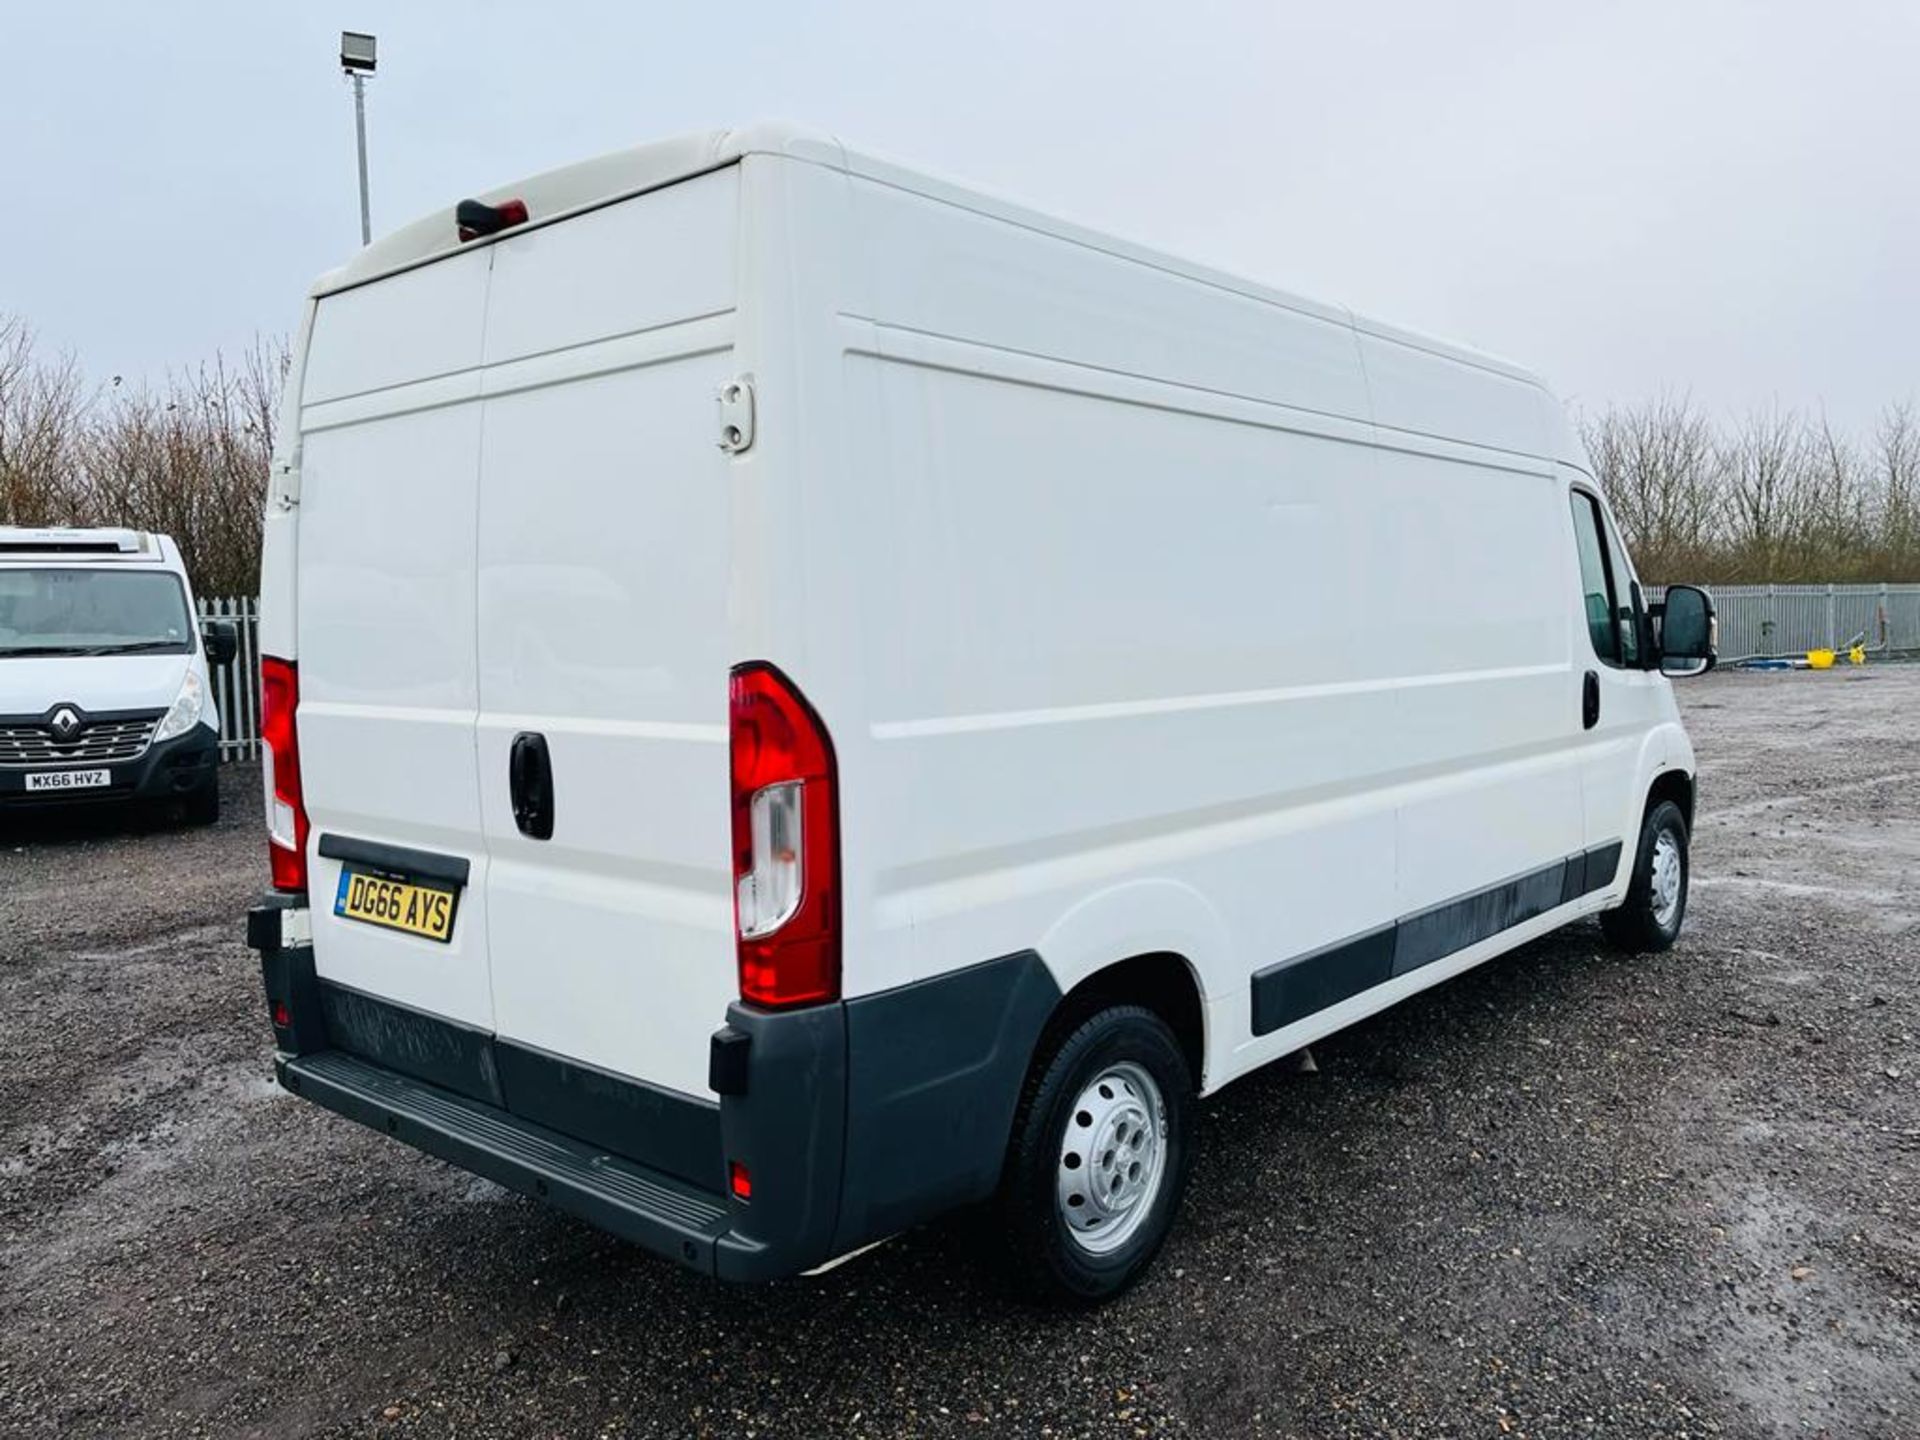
736 415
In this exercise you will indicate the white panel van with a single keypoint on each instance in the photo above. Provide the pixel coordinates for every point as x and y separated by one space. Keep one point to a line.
800 697
105 697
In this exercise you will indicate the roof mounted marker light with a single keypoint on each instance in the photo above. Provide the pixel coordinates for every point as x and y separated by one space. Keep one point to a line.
477 219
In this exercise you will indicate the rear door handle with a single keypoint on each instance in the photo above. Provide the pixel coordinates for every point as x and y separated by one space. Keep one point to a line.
1590 701
530 783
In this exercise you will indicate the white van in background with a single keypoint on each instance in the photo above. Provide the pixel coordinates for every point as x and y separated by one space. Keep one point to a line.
800 696
104 691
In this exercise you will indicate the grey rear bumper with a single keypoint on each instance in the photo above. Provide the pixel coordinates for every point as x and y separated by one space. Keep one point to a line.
853 1119
648 1207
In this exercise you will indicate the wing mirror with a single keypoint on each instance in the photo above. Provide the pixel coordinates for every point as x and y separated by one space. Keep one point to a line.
222 641
1687 633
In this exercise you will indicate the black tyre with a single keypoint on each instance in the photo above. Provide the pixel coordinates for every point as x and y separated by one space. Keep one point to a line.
1098 1158
1656 904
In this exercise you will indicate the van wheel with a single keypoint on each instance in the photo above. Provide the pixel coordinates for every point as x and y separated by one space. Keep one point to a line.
1098 1158
1649 919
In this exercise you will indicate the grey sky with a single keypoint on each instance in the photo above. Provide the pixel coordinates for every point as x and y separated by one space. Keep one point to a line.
1714 195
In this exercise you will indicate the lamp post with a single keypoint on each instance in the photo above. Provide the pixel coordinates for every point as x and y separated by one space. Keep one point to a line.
357 62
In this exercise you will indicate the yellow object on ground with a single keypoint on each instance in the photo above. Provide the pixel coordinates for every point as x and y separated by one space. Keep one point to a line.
1857 655
1820 659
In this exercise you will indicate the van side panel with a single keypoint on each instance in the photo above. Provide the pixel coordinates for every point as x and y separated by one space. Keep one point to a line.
1137 565
947 270
1071 459
1488 716
1425 392
1039 640
603 608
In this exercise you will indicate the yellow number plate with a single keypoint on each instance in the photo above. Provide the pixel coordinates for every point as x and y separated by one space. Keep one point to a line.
425 910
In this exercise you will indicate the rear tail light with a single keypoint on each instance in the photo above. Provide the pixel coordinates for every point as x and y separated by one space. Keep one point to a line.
286 809
739 1181
786 842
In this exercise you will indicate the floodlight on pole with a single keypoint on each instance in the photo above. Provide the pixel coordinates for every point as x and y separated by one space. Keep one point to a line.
357 60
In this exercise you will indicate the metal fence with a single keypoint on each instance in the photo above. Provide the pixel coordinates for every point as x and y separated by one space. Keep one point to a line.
1755 621
236 685
1767 620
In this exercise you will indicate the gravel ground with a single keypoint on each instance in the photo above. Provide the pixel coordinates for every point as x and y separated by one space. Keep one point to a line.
1570 1193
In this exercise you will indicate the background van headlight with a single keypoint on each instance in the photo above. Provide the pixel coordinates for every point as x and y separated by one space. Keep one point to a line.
187 708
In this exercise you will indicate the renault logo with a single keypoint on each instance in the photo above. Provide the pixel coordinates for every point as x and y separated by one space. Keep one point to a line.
65 724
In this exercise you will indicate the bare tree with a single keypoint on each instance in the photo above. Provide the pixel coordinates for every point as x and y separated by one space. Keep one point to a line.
1896 499
192 460
1659 464
1833 540
1767 464
43 405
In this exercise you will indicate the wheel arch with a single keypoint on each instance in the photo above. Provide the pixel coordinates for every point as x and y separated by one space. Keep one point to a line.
1161 981
1674 785
1157 943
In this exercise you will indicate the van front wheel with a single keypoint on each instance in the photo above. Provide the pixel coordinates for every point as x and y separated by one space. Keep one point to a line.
1099 1156
1649 918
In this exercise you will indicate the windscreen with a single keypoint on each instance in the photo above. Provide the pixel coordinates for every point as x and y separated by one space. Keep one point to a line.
64 611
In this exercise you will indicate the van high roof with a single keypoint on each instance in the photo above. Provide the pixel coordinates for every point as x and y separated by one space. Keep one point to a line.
588 184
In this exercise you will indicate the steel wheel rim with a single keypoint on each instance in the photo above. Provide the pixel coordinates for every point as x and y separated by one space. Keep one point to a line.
1667 868
1113 1157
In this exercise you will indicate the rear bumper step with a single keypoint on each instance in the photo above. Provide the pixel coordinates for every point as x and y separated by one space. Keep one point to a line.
657 1211
842 1122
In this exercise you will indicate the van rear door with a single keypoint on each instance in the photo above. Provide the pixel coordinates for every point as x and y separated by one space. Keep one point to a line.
603 640
390 423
